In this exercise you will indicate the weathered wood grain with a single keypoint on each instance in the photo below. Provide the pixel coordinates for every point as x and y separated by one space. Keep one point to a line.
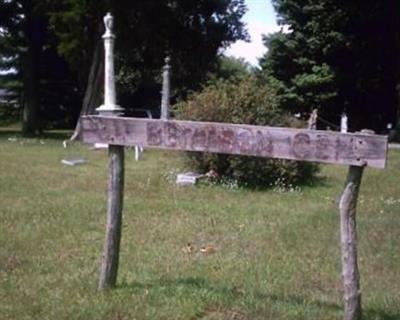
358 149
110 258
348 237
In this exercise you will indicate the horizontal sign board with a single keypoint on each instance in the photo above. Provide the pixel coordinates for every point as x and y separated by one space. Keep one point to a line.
270 142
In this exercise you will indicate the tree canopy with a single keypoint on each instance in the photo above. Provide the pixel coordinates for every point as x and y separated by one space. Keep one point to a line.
41 78
191 32
337 56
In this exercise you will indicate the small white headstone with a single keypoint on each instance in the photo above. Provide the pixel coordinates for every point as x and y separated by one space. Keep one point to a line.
73 161
100 145
343 123
188 178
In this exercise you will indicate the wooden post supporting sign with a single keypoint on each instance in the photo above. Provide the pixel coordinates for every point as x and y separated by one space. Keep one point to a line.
348 240
348 237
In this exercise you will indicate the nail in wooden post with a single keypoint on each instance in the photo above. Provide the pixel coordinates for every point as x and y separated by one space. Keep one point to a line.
165 93
348 236
110 258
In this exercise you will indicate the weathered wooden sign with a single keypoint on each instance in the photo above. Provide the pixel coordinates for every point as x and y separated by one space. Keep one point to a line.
357 149
354 149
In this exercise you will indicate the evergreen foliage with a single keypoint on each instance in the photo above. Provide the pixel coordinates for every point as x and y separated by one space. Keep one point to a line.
36 73
54 46
337 56
190 32
230 69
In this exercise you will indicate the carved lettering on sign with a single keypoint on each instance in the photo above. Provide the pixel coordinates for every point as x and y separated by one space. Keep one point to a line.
283 143
172 134
301 145
344 148
199 140
226 140
263 144
244 141
119 132
212 138
185 138
154 134
322 151
97 127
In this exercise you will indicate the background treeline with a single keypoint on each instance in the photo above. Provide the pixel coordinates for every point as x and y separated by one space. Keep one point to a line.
55 50
333 55
337 56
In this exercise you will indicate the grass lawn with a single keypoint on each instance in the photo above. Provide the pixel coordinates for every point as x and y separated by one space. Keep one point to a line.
277 254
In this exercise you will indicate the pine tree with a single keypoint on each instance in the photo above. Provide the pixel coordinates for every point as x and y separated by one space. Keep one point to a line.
38 75
337 56
21 45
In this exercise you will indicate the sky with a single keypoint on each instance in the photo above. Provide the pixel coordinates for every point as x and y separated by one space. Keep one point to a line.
260 19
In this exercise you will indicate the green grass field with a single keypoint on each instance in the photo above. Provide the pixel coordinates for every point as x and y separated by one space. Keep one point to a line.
277 254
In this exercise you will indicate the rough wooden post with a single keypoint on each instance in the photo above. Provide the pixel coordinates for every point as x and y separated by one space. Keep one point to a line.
110 258
165 93
348 236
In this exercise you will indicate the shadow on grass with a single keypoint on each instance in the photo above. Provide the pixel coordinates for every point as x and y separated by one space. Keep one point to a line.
196 283
318 181
193 283
53 134
190 282
374 314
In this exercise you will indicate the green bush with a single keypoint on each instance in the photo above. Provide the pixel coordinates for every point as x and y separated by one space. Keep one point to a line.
244 101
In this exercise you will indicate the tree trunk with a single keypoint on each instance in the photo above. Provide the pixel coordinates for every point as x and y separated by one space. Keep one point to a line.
30 77
94 87
397 39
30 124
